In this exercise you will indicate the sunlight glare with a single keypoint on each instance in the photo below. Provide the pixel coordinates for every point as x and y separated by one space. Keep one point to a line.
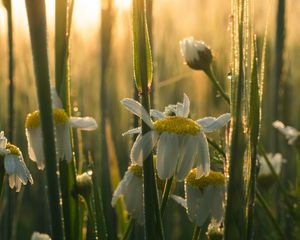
123 4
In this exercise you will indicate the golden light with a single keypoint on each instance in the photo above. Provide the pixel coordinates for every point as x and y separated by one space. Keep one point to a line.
123 4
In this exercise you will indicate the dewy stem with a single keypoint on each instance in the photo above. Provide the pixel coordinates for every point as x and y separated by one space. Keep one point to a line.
153 225
210 73
166 194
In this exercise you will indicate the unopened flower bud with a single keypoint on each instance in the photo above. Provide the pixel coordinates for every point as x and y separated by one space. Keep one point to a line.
84 185
197 54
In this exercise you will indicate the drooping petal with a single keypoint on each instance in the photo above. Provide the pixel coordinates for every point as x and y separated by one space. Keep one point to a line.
56 102
18 172
188 152
136 108
35 146
121 188
198 203
210 124
83 123
133 198
180 200
132 131
186 106
157 114
203 161
63 142
167 155
143 146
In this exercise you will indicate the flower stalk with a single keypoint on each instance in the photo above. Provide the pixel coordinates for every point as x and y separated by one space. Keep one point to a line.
143 78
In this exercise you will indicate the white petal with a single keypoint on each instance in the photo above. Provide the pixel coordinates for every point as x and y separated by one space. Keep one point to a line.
83 123
132 131
3 141
133 198
289 132
18 172
143 146
157 114
121 188
56 102
63 142
210 124
198 203
136 108
167 155
35 146
203 161
217 209
180 200
188 152
179 109
186 106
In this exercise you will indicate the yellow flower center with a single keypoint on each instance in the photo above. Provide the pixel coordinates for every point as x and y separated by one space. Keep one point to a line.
13 149
136 170
214 178
33 119
178 125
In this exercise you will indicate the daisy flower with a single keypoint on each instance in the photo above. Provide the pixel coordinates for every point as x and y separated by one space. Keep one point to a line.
197 54
62 123
131 188
265 177
40 236
181 141
14 164
275 159
290 133
204 197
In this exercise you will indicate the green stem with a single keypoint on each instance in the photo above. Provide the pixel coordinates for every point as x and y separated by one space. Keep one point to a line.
196 233
128 229
153 225
166 194
92 217
210 73
269 213
100 217
37 26
216 146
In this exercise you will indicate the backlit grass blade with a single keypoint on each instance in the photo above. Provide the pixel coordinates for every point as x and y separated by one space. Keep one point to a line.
63 18
104 168
254 124
37 25
143 79
234 227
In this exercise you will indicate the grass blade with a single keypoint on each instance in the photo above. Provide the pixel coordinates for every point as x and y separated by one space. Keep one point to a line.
37 25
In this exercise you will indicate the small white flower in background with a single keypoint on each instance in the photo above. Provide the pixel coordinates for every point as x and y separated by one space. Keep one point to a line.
14 164
290 133
181 141
197 54
62 123
40 236
204 197
276 160
131 188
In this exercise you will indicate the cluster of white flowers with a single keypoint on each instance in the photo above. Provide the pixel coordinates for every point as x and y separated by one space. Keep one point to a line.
181 146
